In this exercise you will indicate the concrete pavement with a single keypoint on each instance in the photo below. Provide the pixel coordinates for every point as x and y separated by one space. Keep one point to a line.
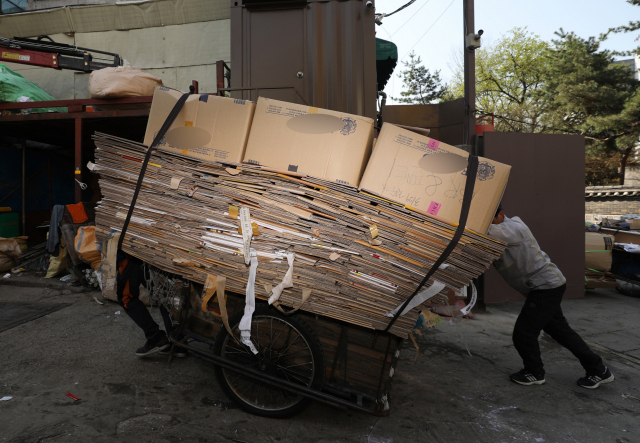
87 349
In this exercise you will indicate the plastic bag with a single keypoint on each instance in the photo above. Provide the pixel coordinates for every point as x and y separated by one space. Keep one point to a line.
58 265
123 81
108 268
15 88
9 253
86 248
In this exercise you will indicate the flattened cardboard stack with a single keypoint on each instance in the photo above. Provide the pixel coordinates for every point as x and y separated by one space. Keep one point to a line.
330 227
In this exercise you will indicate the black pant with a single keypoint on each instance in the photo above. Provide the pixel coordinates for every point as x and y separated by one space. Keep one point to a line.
542 312
140 315
129 280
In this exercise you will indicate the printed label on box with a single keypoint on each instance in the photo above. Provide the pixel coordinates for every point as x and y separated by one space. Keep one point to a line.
434 208
433 144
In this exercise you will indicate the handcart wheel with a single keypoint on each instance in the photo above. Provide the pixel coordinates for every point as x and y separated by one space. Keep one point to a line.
287 349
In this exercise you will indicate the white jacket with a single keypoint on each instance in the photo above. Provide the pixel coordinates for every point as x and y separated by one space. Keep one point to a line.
523 265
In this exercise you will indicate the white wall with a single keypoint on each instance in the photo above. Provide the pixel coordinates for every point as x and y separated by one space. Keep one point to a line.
177 54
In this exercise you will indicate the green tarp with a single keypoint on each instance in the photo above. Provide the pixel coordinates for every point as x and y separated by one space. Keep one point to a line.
386 60
385 50
13 86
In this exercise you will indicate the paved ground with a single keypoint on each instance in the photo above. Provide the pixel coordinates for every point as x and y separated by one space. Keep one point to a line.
447 396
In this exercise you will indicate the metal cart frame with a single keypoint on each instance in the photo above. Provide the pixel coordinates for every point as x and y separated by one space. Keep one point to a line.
333 393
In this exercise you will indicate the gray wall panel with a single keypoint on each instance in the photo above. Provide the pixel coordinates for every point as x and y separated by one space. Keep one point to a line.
546 190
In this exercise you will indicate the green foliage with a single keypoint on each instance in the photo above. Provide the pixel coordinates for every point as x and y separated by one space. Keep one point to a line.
631 27
585 93
601 168
422 87
507 72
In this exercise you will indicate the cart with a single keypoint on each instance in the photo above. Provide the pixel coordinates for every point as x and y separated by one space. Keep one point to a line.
301 357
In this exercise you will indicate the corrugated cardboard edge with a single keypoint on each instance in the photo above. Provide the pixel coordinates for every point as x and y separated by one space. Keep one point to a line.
374 155
486 221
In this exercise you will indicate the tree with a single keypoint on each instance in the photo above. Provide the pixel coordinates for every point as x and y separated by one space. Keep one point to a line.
631 27
586 93
507 72
422 87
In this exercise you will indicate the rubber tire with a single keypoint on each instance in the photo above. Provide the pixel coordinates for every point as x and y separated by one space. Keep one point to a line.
305 331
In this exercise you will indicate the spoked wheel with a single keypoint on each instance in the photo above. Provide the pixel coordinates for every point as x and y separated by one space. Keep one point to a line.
287 349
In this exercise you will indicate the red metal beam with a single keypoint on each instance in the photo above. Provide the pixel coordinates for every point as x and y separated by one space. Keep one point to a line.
27 57
73 115
76 102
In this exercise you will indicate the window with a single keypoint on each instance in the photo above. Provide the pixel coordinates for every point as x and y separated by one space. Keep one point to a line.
9 6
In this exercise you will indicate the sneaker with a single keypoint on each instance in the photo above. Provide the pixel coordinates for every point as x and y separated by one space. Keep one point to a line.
153 347
526 378
593 381
180 352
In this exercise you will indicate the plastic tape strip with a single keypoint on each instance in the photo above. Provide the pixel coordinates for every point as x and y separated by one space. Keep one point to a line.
287 280
217 285
233 212
416 345
247 232
254 229
474 297
209 290
306 293
420 298
373 229
250 302
175 182
192 190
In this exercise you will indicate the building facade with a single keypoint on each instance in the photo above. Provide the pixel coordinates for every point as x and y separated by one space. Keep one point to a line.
176 41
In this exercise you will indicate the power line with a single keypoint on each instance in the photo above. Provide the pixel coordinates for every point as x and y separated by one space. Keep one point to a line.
381 16
414 14
386 32
414 45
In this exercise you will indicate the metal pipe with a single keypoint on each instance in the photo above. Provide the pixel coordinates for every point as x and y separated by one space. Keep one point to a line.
274 381
384 99
469 127
78 159
50 187
24 191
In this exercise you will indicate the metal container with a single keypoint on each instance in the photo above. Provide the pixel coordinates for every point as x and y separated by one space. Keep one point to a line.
320 53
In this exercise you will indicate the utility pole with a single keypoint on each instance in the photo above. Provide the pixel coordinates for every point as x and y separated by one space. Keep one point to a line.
469 126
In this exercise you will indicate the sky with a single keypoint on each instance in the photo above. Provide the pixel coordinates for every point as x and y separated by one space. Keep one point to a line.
433 28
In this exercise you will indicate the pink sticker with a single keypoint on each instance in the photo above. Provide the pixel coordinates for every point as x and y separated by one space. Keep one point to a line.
434 208
433 144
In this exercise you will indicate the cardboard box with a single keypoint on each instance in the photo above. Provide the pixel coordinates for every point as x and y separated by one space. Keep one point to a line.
632 237
208 127
422 173
327 144
598 251
634 223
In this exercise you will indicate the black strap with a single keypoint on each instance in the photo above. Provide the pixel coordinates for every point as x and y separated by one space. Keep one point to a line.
472 170
163 130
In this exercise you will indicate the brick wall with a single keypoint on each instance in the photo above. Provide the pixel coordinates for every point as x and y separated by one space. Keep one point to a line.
612 206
